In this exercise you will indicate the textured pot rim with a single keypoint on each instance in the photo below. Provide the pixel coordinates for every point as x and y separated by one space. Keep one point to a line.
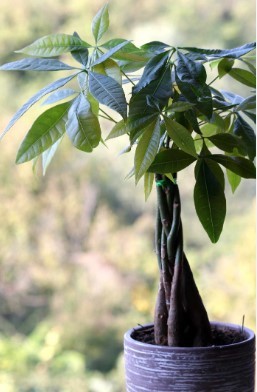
250 337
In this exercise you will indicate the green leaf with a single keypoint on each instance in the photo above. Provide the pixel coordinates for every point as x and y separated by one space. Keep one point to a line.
190 71
148 184
59 95
147 149
34 64
225 66
46 130
171 161
153 70
110 53
243 76
220 53
227 142
48 155
108 92
248 103
129 52
81 56
100 23
181 136
109 68
40 94
83 127
136 125
246 132
238 165
210 202
233 179
119 129
155 46
54 45
181 106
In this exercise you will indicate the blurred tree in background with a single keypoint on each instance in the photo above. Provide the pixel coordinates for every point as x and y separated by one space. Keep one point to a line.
77 224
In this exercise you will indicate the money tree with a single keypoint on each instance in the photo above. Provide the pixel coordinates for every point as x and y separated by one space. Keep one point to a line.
167 101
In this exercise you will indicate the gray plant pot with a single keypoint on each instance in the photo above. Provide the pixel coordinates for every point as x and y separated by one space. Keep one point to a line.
227 368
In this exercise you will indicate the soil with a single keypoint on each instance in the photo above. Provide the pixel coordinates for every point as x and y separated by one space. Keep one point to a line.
220 337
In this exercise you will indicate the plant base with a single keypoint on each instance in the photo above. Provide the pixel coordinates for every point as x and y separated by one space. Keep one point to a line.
219 368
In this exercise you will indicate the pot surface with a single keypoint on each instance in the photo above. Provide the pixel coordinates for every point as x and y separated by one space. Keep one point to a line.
223 368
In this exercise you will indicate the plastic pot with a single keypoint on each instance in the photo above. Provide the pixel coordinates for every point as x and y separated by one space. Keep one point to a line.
224 368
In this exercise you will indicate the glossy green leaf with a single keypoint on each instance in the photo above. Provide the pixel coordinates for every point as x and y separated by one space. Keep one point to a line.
109 68
243 76
137 124
108 92
220 53
225 66
209 199
227 142
47 156
100 23
83 127
181 136
190 71
155 47
40 94
46 130
81 56
54 45
34 64
238 165
119 129
147 148
148 184
246 132
171 161
153 70
181 106
233 179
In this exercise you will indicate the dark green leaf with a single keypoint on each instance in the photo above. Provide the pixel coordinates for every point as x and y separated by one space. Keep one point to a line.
108 92
220 53
34 64
147 149
246 132
83 126
81 56
40 94
170 161
181 136
210 202
241 166
137 124
54 45
100 23
181 106
227 142
190 71
243 76
155 47
46 130
225 66
159 89
153 70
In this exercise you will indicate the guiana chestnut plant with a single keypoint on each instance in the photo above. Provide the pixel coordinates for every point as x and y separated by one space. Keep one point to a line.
173 115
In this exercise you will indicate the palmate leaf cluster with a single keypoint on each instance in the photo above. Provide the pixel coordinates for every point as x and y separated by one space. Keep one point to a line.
174 116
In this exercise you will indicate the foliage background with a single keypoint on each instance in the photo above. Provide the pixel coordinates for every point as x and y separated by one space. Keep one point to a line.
77 264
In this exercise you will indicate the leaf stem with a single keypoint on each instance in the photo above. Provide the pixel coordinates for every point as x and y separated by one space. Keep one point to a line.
107 116
126 76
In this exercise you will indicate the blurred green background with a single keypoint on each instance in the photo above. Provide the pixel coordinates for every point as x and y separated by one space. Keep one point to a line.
77 262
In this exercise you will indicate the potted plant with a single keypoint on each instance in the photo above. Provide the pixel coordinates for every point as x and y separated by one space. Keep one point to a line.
174 116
